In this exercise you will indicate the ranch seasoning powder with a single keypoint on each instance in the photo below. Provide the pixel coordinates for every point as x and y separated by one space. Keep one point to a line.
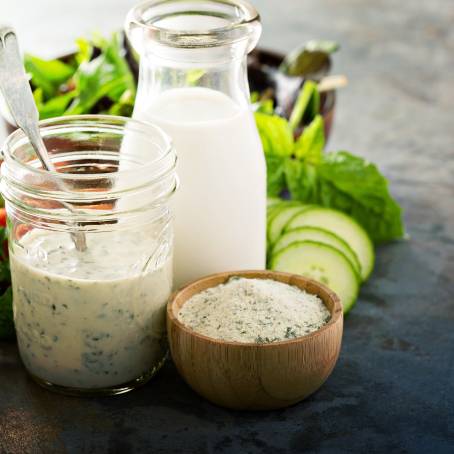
254 310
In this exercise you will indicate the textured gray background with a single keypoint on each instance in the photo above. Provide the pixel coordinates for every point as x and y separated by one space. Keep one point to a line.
392 390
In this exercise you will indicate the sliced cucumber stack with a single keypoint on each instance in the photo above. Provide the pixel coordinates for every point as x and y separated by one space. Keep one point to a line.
322 263
341 225
324 244
321 236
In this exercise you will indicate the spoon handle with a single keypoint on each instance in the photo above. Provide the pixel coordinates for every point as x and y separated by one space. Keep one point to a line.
19 97
18 94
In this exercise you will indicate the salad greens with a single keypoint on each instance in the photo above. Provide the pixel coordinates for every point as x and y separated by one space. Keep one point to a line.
97 79
337 180
6 298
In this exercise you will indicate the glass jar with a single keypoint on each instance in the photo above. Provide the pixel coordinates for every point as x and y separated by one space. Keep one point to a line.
91 321
193 83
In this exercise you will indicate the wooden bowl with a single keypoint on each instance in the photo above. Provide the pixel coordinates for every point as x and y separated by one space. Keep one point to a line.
249 376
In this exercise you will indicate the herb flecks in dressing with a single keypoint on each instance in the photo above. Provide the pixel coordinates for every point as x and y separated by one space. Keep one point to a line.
91 319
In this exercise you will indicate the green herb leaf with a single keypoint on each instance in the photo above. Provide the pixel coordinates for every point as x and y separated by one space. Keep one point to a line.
275 133
85 50
275 174
310 144
302 180
337 180
38 96
56 106
352 185
47 74
357 187
108 75
307 105
265 106
6 315
125 106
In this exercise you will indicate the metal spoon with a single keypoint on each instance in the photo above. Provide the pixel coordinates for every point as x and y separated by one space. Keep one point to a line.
19 97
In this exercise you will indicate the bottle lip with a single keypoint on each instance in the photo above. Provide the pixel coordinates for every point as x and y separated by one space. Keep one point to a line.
240 16
87 123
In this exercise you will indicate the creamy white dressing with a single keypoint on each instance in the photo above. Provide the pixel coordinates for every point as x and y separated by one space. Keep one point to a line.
94 319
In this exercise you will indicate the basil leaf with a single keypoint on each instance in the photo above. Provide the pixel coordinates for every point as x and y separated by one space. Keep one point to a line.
302 180
355 186
275 174
350 184
275 133
47 74
310 144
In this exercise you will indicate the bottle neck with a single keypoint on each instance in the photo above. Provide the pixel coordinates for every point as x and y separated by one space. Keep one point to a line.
222 69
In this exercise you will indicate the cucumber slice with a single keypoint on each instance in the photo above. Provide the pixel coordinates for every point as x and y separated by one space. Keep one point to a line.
271 211
274 209
278 221
321 236
272 201
343 226
322 263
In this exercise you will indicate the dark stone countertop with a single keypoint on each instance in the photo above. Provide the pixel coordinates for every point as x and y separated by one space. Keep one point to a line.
393 387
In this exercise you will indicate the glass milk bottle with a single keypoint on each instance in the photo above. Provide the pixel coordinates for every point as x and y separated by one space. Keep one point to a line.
90 321
193 83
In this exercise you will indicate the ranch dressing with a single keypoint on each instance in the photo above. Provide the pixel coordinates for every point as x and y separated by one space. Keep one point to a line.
94 319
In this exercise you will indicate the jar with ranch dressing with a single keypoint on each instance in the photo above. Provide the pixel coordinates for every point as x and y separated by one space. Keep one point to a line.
91 320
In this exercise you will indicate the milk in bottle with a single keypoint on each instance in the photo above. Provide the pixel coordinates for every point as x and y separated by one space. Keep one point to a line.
194 85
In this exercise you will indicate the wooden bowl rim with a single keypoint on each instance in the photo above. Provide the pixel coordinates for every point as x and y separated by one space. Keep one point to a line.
336 313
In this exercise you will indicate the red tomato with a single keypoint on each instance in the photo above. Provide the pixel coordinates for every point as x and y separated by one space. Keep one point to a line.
3 224
2 217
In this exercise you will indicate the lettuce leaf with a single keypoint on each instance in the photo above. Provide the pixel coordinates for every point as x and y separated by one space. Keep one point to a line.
97 79
106 76
47 74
